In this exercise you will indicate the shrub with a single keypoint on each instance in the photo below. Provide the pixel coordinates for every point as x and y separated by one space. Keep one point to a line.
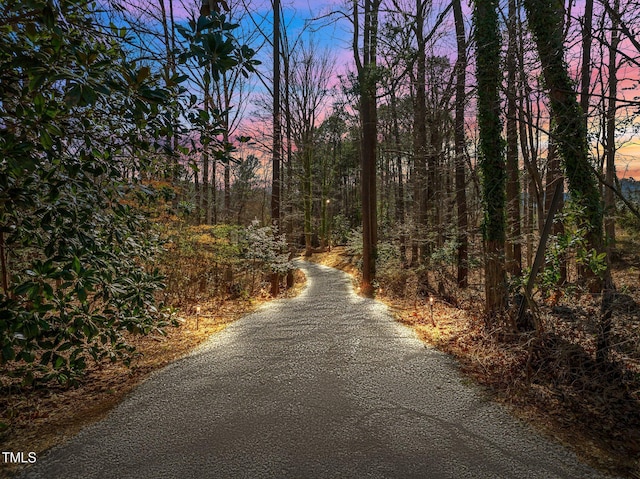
267 251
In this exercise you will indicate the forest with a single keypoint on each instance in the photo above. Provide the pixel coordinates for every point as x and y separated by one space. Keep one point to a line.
156 155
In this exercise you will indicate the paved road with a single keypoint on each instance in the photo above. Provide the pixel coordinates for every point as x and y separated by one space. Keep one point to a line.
325 385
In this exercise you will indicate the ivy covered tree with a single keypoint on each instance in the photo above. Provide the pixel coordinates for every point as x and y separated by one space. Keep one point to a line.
570 133
570 130
491 151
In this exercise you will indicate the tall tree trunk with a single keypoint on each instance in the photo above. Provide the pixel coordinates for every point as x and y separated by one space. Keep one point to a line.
176 120
416 188
570 129
610 145
287 174
529 132
554 175
211 212
277 137
368 117
227 161
420 133
571 135
289 135
603 340
205 159
307 192
514 245
170 71
491 152
400 207
277 134
459 146
198 191
526 147
435 180
585 71
528 219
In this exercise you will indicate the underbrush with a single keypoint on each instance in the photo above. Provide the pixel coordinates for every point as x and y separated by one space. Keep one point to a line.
552 378
219 262
212 275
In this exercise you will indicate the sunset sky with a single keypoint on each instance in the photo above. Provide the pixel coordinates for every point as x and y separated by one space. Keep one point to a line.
313 20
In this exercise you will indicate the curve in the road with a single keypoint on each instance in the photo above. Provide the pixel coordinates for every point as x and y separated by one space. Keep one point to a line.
325 385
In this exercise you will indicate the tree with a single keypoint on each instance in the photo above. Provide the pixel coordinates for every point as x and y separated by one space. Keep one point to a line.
309 89
491 151
610 144
396 51
329 148
424 187
244 182
214 53
514 247
277 121
570 133
571 136
80 123
83 121
367 81
459 147
277 139
585 70
229 97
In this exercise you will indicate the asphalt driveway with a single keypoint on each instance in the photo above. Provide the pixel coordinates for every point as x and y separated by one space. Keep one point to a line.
325 385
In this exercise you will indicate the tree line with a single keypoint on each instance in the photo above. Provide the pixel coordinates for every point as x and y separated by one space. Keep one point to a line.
445 150
449 166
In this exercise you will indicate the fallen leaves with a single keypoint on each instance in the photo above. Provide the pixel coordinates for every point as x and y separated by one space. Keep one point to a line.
39 419
552 381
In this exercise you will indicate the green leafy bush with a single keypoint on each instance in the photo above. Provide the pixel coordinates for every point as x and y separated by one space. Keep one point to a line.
573 242
77 116
82 125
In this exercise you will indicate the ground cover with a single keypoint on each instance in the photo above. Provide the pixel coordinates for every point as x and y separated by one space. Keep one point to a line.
552 380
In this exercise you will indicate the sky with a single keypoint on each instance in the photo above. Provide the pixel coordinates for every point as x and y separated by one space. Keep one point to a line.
313 20
336 34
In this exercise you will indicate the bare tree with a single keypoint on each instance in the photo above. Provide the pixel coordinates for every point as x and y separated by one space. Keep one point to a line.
366 67
277 126
610 143
459 146
309 90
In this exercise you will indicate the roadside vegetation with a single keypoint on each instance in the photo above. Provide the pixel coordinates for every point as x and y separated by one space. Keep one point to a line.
159 165
106 272
211 276
552 379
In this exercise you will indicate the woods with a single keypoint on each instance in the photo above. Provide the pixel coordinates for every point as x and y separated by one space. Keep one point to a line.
444 145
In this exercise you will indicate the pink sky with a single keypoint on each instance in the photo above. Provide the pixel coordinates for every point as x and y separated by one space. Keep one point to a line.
337 36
